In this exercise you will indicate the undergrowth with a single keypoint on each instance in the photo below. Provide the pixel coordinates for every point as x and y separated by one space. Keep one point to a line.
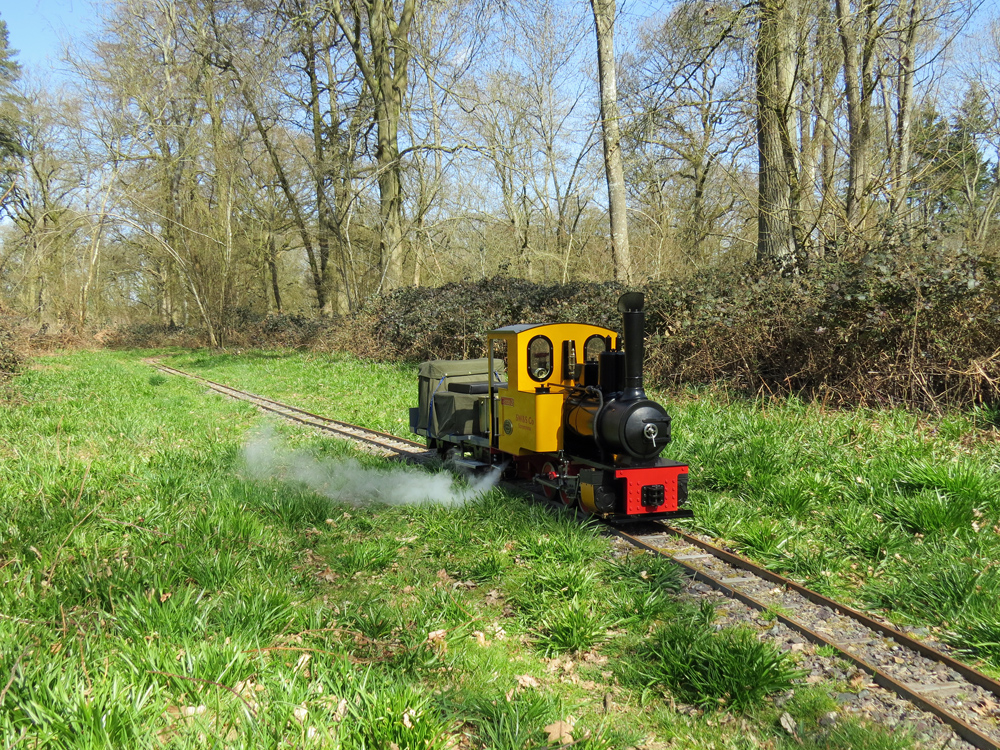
917 327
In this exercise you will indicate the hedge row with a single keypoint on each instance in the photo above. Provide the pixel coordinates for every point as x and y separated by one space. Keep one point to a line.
920 328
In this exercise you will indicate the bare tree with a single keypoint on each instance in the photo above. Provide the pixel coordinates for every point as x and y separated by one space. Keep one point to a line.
445 46
529 115
378 34
684 96
11 147
984 85
175 104
295 77
41 205
604 23
860 27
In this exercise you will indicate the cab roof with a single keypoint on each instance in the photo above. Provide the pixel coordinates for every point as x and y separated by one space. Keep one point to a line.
528 326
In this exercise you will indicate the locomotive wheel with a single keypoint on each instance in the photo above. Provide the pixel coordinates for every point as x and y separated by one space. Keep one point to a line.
567 499
549 472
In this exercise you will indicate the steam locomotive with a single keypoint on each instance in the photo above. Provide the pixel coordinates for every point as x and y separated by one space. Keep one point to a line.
563 405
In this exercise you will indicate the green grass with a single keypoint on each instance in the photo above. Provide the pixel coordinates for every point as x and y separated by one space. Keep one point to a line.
888 510
375 395
153 595
730 668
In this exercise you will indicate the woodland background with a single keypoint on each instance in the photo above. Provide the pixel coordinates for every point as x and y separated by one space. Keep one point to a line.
809 190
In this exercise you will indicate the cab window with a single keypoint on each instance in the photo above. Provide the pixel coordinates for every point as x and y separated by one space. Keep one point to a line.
499 353
593 348
540 358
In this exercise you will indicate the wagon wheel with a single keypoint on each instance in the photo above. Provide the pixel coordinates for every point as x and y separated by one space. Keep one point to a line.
549 472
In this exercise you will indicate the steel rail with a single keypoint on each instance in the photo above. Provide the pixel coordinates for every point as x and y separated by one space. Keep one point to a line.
976 678
962 728
415 451
397 445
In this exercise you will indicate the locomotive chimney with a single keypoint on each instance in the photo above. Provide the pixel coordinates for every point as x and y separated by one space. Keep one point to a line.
631 305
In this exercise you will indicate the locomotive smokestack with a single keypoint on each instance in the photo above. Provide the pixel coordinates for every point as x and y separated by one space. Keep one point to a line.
631 306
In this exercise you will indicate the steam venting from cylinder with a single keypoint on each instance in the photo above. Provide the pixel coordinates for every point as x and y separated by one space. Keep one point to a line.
630 305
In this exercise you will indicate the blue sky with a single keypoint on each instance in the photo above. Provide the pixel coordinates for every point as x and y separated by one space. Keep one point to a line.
40 29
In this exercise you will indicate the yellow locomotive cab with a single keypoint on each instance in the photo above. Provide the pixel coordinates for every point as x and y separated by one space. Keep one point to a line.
541 362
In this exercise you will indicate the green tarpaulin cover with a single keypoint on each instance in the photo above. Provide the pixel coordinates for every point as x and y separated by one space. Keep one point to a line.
453 413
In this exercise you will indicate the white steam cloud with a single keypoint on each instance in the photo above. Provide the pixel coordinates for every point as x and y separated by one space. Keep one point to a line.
346 480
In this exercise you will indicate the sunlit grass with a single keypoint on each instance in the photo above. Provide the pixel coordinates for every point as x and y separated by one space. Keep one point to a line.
731 668
154 596
873 507
892 510
375 395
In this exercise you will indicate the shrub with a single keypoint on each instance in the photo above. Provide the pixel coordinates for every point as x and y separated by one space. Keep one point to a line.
11 358
893 328
917 328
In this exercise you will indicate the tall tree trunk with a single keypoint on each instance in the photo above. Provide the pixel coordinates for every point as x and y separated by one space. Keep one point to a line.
774 57
95 251
390 195
859 87
384 63
322 168
298 215
272 266
604 23
901 164
824 136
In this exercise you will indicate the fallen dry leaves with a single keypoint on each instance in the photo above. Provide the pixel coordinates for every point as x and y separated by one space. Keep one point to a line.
987 707
561 732
436 639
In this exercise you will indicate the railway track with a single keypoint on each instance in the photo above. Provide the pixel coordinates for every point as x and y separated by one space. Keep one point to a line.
924 676
894 660
379 443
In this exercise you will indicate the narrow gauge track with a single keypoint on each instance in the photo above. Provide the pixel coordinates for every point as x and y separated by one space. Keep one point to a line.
885 653
380 443
888 655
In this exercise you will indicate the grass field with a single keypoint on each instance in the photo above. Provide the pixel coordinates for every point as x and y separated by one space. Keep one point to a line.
891 510
155 594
